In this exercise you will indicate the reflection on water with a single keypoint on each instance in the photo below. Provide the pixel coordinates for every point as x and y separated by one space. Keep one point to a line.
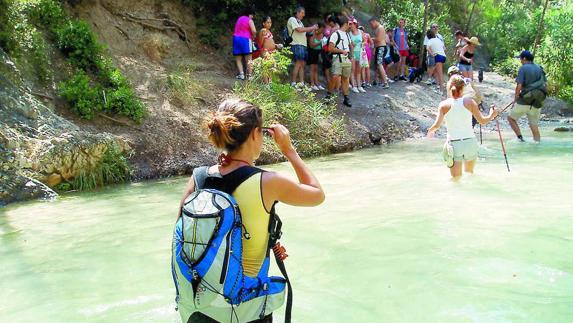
395 241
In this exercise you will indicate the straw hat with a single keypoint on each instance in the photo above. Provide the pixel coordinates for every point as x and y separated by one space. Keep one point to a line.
474 41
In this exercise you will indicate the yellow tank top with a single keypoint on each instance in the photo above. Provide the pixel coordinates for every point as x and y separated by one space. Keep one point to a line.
256 220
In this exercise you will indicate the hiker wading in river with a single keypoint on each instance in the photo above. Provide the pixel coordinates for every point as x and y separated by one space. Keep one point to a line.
461 144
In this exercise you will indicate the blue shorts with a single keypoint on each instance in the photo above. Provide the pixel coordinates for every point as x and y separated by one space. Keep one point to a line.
440 59
465 68
242 46
300 52
431 61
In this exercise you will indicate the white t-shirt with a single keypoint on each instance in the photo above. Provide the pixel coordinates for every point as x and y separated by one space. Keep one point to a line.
437 36
344 43
437 46
297 38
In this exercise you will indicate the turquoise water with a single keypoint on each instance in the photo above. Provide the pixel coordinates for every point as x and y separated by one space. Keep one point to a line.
395 241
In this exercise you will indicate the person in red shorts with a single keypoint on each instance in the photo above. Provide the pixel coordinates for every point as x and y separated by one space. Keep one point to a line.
401 40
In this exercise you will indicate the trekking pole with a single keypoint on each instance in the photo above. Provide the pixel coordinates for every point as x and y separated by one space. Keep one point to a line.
502 145
480 136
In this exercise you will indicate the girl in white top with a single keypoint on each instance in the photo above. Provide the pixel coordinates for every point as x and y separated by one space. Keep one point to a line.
458 111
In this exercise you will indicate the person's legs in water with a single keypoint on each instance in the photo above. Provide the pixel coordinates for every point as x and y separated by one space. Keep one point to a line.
456 170
469 166
239 63
515 127
535 132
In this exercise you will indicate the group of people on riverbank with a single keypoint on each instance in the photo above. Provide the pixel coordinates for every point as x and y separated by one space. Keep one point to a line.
345 52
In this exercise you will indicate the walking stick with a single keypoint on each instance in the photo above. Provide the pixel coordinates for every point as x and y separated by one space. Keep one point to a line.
499 133
480 136
502 145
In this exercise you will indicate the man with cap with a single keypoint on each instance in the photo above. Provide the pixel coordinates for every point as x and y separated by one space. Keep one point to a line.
529 95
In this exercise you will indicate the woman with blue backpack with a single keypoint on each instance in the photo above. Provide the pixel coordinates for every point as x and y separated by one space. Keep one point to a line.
237 247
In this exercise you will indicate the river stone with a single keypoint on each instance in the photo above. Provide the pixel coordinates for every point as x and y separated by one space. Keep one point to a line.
563 129
54 180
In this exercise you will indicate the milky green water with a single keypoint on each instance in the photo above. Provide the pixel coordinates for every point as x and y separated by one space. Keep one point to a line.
395 241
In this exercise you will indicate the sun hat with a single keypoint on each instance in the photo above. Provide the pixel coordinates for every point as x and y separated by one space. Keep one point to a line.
453 70
353 21
474 40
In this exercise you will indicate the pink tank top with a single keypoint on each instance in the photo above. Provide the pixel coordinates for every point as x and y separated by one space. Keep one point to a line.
242 28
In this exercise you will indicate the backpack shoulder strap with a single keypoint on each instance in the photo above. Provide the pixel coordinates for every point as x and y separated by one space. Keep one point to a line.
237 177
200 175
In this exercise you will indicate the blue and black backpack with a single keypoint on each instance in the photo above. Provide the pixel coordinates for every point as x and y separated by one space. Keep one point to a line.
207 257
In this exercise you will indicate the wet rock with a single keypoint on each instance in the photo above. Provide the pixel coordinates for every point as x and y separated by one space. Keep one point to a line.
563 129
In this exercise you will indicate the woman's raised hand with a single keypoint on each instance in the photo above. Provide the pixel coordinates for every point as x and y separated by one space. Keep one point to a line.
281 135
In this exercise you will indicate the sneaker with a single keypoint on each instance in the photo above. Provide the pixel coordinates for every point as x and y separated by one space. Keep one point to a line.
390 80
374 83
385 86
320 87
241 76
430 82
361 89
249 77
314 88
396 78
346 102
293 84
355 90
403 78
363 84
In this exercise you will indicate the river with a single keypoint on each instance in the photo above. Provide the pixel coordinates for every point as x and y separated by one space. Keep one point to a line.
395 241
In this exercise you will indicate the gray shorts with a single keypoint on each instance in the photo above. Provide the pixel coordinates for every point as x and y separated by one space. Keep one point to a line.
465 149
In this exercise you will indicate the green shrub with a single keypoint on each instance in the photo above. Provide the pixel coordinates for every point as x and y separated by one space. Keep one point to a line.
566 94
112 169
123 101
507 67
76 40
47 13
85 99
312 124
273 67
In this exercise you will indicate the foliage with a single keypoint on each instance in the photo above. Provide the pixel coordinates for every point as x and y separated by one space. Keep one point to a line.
312 124
508 67
21 39
272 67
113 168
20 35
85 99
122 101
76 40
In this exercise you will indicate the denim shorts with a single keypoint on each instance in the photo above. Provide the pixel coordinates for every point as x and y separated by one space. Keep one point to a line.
465 68
431 61
300 52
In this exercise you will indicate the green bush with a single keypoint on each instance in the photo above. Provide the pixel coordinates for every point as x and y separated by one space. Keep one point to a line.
508 67
312 124
76 40
112 169
123 101
47 13
85 99
566 93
